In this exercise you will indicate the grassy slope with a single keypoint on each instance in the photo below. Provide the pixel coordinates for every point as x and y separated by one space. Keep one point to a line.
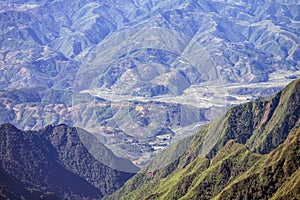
277 177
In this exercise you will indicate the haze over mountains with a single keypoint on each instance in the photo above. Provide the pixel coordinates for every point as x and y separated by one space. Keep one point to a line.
141 72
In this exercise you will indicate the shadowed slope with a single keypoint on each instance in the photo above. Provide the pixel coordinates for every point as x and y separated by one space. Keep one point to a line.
54 160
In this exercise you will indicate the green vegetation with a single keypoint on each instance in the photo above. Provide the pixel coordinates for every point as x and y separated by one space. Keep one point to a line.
275 178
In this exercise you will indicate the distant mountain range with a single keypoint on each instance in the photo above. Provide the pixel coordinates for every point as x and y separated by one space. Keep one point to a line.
141 72
163 46
56 163
251 152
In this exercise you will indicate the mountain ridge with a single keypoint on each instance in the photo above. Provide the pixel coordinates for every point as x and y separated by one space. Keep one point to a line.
55 161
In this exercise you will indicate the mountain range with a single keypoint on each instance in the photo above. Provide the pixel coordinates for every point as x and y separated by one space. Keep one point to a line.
148 99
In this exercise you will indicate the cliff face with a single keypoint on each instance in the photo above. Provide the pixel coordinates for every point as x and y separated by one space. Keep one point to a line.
251 152
54 162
